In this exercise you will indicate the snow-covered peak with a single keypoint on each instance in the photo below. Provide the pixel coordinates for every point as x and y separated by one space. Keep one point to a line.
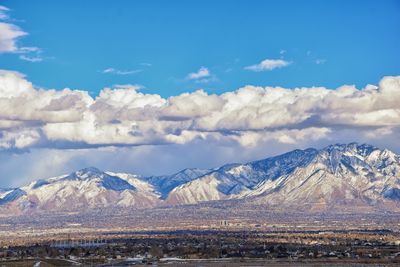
277 166
86 173
355 157
351 148
339 173
90 174
82 177
191 172
82 189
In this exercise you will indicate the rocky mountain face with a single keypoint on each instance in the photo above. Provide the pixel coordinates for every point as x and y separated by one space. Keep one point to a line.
341 177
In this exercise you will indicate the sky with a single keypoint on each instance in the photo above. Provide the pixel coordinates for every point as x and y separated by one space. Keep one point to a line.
152 87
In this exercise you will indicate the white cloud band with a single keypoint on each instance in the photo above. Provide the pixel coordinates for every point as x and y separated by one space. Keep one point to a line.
31 117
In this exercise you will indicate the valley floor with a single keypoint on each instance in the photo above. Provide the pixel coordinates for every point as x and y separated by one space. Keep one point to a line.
201 236
210 263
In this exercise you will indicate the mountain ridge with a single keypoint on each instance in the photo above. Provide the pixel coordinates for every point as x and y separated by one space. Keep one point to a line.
336 176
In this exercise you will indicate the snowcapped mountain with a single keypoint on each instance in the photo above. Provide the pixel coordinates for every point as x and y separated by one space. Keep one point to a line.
86 188
236 180
336 177
166 183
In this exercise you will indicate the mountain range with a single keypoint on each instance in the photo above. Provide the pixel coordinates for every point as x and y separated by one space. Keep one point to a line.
353 176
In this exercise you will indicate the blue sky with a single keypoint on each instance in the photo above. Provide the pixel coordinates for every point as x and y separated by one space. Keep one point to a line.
160 42
134 69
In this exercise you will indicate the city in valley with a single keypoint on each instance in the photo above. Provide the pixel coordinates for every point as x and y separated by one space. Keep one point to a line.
200 236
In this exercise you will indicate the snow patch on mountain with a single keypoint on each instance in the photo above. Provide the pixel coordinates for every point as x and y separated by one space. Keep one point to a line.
166 183
337 176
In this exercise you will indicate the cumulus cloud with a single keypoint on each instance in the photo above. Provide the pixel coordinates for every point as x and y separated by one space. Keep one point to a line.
268 64
31 117
203 72
119 72
122 127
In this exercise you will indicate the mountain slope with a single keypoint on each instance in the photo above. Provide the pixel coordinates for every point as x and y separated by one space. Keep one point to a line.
337 177
86 188
166 183
234 180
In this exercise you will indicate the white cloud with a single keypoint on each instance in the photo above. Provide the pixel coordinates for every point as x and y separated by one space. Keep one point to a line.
268 64
320 61
120 72
285 136
28 49
203 72
19 139
9 34
69 129
3 13
129 86
124 116
30 58
16 73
